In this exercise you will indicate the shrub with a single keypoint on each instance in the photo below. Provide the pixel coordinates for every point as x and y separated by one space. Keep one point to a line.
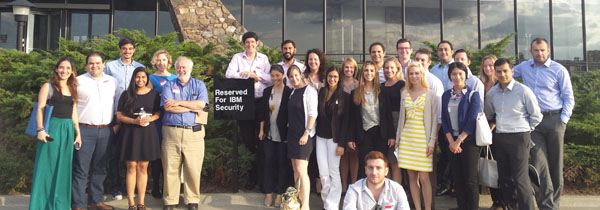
582 168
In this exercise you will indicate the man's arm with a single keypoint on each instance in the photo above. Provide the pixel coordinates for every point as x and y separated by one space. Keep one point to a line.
566 93
532 107
180 106
233 69
351 199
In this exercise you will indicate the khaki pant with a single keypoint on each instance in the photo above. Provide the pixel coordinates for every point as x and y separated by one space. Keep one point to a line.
182 147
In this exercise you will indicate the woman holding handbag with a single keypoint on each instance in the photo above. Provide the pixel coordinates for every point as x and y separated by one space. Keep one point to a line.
51 187
460 106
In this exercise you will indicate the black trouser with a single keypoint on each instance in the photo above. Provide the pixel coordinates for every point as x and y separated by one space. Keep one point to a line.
465 170
444 171
512 157
371 141
114 163
496 193
276 167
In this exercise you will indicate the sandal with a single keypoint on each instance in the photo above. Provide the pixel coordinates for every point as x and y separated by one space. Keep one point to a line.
141 207
132 208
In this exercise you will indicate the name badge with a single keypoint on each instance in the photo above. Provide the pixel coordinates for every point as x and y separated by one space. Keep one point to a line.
105 81
449 109
162 83
176 90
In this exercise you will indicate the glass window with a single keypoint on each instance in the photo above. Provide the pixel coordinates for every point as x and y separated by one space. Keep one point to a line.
344 30
592 25
422 22
497 22
235 8
8 31
305 24
460 23
384 23
568 38
165 25
532 22
135 15
100 25
264 17
79 27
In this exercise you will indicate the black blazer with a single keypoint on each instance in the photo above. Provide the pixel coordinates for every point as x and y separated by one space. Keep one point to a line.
282 117
356 133
386 120
340 124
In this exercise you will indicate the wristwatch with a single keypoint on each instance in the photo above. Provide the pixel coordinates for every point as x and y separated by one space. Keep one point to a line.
308 130
40 130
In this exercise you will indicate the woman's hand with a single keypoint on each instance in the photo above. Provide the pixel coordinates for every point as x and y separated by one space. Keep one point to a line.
430 151
139 121
391 143
303 139
454 147
42 136
77 140
352 145
260 135
339 151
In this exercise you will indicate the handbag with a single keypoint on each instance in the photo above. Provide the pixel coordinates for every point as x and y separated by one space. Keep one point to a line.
488 169
290 199
483 134
32 124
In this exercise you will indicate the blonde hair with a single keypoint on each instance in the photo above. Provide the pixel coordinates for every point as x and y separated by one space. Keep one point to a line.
419 67
359 92
155 58
484 77
350 61
399 75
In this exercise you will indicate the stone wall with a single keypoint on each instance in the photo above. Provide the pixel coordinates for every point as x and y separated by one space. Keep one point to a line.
204 21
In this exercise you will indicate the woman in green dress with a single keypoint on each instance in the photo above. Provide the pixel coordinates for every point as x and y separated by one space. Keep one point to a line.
51 188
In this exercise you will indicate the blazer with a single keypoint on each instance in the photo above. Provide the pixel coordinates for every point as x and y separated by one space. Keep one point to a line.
282 117
356 133
467 113
340 124
429 118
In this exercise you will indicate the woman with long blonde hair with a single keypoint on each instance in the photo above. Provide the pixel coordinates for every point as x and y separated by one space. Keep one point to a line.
486 74
349 161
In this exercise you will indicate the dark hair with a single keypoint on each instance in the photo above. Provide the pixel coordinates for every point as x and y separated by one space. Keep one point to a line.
249 34
338 94
539 40
71 82
278 68
403 40
125 41
94 54
375 44
502 61
461 51
131 91
425 52
458 65
293 67
287 41
322 65
447 42
374 155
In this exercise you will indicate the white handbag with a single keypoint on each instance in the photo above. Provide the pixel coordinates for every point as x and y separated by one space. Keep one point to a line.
483 134
488 169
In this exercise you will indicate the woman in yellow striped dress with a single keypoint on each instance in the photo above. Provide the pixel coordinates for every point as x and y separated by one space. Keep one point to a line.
416 135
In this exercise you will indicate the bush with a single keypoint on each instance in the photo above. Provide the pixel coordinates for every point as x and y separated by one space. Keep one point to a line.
585 122
582 168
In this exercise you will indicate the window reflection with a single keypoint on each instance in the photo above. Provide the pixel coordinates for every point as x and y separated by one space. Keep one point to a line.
384 23
79 27
532 17
305 24
568 40
264 17
165 25
135 15
234 7
344 29
592 24
497 22
422 22
100 25
460 23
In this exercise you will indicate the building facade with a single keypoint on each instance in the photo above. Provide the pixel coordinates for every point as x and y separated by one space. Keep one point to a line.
342 28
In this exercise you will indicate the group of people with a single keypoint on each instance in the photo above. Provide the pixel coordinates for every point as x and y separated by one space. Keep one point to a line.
118 111
353 121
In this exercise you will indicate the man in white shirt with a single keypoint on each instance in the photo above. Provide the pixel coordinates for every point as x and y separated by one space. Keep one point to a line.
377 53
95 109
404 50
375 191
255 65
288 50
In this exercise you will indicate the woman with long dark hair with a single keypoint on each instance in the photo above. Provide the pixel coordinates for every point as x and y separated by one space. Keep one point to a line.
51 187
316 64
273 117
302 115
391 89
332 130
139 107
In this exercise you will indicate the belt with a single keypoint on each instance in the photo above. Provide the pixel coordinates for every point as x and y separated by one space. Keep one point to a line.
93 126
558 111
183 126
506 134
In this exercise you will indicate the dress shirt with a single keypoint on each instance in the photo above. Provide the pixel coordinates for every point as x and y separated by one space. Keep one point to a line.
381 76
359 197
438 88
260 66
95 101
122 73
551 84
515 108
404 68
193 90
441 72
285 69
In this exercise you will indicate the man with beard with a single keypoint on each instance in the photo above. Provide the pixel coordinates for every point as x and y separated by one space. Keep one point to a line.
183 138
375 191
288 50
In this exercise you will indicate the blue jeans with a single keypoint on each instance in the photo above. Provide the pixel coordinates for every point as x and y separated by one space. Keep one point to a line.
91 158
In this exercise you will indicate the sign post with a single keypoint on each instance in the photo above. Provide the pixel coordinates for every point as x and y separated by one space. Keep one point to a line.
234 100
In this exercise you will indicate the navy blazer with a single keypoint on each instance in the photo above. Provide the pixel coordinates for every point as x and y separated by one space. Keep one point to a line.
467 113
282 117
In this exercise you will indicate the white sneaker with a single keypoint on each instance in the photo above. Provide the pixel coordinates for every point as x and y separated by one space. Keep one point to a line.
117 195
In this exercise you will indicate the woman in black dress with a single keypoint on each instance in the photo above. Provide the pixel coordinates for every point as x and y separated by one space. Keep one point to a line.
302 114
273 133
138 108
391 89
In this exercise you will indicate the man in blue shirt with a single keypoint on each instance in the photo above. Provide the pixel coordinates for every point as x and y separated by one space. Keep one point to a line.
551 84
121 69
444 53
183 137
